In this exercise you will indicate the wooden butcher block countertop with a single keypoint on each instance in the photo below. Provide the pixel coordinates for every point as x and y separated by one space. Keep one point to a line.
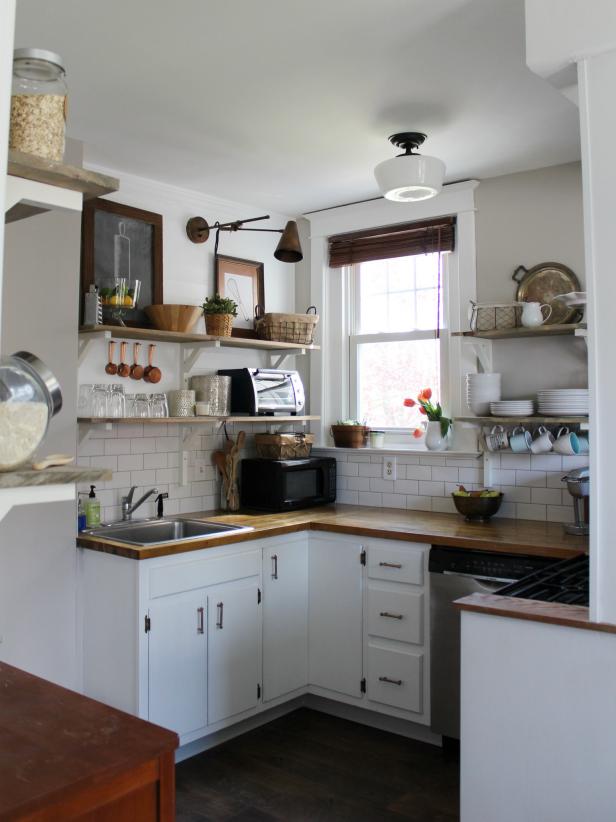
506 535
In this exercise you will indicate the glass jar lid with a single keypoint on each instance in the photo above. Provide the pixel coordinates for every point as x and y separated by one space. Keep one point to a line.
38 64
42 374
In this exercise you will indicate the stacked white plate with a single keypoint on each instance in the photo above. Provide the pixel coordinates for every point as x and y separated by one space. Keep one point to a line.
563 402
481 390
512 408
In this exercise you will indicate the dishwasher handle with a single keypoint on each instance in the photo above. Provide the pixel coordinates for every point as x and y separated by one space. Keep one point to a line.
489 583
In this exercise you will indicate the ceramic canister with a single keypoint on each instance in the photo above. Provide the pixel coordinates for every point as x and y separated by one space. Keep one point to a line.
181 403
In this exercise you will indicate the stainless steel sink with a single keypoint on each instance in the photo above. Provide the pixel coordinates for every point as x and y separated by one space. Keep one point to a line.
154 532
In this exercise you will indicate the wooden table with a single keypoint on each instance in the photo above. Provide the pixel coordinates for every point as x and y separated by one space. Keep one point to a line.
64 756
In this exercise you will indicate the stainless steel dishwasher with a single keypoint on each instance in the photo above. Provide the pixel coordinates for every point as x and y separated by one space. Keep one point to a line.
455 573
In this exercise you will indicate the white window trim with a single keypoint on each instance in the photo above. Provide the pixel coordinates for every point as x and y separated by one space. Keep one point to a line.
329 290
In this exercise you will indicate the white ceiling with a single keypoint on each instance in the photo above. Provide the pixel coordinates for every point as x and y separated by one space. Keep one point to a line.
287 104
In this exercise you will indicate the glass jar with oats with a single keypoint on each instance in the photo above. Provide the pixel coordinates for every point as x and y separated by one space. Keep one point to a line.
29 397
38 104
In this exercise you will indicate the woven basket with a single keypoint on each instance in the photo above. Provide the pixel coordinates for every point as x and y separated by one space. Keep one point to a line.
291 328
284 446
350 436
218 325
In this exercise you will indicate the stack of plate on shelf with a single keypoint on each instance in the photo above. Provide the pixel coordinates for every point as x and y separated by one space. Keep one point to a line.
512 408
563 402
481 390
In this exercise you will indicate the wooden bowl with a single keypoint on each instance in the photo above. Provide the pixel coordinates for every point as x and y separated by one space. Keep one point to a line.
168 317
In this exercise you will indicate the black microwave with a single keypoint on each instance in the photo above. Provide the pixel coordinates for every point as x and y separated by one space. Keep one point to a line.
286 485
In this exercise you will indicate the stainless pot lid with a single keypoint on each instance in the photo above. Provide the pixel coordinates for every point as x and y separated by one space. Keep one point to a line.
578 475
44 375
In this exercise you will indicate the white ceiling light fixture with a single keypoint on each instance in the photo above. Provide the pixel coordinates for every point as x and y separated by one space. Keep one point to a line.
410 177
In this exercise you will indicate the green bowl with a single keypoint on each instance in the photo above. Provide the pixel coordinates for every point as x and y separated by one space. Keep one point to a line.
478 509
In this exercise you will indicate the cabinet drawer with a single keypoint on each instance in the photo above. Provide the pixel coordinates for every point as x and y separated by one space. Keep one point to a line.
403 564
395 678
186 576
396 614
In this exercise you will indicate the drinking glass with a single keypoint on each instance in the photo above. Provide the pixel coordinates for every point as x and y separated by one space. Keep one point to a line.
158 405
141 405
129 399
116 401
99 400
84 402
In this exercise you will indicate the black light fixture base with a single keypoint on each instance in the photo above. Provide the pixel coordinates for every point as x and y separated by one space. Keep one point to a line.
407 140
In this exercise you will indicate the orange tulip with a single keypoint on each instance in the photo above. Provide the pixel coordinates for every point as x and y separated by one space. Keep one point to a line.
418 433
425 394
422 410
409 403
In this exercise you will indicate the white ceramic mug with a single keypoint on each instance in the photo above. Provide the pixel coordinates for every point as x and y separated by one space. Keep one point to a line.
543 442
567 442
532 314
583 443
520 440
497 439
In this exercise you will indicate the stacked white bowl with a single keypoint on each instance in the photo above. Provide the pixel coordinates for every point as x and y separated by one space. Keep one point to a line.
481 390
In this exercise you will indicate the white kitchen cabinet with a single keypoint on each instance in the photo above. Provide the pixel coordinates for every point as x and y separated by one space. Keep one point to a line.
335 652
285 617
234 648
177 661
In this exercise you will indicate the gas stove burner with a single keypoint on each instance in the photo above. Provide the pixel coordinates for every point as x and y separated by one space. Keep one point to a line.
565 581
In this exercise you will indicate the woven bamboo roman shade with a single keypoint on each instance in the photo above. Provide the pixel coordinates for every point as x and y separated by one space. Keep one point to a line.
424 237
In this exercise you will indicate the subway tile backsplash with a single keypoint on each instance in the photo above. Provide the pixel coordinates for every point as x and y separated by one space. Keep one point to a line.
532 485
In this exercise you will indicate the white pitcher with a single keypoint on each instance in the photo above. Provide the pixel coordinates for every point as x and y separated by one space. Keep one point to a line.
532 314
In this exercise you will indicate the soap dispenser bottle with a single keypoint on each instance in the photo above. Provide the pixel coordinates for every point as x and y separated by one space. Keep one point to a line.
93 509
81 513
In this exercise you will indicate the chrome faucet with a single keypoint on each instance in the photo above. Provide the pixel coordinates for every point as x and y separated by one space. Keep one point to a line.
128 508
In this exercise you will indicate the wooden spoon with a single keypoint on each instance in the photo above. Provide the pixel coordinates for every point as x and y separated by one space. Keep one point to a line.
151 372
123 367
111 367
136 370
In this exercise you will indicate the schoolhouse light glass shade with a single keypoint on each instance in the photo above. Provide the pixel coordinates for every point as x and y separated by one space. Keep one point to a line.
410 177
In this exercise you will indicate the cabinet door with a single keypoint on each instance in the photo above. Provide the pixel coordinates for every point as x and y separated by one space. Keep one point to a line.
234 648
177 662
285 618
335 615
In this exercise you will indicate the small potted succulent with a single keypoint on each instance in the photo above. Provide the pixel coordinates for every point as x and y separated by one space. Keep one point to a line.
219 313
350 434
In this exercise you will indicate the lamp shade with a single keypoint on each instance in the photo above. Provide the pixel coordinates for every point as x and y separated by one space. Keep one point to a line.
410 177
289 249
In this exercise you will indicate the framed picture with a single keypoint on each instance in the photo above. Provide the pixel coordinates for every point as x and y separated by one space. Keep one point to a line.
242 281
122 253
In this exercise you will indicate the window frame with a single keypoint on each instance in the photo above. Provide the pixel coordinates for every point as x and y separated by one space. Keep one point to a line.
351 273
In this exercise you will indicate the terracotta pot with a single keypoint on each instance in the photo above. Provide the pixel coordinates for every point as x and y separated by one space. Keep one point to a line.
350 436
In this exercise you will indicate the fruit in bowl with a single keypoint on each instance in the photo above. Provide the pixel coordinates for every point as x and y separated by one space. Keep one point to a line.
477 505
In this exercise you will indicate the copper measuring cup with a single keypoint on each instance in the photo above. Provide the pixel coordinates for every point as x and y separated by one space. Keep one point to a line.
136 370
123 367
111 367
151 372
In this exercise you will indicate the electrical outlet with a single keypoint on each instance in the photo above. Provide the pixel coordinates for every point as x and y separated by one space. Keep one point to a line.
200 468
389 468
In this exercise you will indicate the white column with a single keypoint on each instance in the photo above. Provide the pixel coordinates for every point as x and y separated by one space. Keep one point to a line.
597 82
7 31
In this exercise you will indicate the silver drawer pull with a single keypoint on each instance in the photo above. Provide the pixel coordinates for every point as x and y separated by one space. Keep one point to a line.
391 616
274 566
219 609
199 620
390 565
390 681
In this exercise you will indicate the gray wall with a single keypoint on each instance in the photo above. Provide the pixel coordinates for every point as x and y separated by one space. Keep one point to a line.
38 560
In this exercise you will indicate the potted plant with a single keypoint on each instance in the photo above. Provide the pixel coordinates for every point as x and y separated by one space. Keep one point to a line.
219 313
437 426
350 434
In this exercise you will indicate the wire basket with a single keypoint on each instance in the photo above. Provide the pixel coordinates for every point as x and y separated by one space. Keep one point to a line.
495 316
291 328
284 446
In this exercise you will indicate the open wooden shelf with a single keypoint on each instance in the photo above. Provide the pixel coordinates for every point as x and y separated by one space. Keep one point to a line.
37 170
532 420
193 340
267 420
520 333
59 475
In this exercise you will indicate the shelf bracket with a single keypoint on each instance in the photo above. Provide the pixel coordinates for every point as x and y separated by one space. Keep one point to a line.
190 355
277 361
482 350
85 341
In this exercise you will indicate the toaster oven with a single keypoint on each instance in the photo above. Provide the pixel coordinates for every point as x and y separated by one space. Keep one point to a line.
265 391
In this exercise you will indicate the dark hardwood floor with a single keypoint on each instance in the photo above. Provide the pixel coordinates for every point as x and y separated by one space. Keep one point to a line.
308 766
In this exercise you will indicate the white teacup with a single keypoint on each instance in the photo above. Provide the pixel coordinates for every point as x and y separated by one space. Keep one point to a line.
583 443
543 442
497 439
567 442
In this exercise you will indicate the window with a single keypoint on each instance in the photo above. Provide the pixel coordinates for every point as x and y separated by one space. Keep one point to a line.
395 348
